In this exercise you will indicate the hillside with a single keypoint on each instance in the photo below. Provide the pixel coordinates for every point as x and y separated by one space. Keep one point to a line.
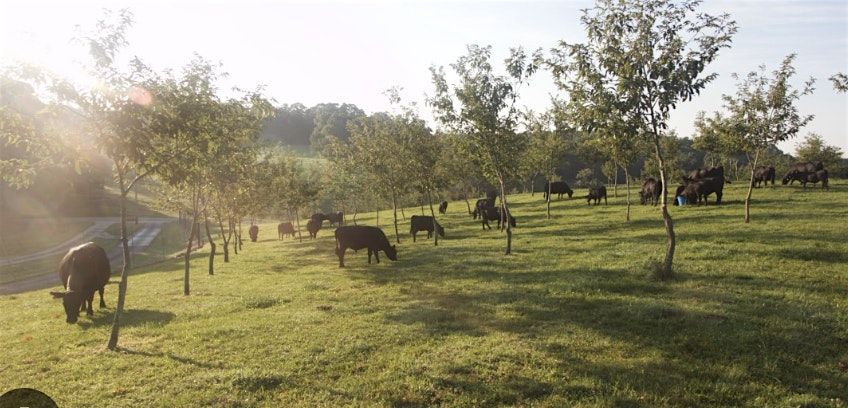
755 317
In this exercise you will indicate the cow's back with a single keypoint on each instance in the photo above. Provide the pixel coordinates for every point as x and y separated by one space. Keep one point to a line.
361 236
85 267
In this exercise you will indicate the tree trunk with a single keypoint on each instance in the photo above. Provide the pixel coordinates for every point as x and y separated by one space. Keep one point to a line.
433 214
297 222
402 214
615 182
468 204
627 183
187 258
505 215
550 177
224 238
394 206
667 271
235 236
211 243
751 188
240 242
354 215
122 285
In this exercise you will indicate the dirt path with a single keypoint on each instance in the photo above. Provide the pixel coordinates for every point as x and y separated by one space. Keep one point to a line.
138 241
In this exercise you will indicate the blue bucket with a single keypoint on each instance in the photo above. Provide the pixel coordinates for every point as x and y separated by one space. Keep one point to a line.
681 200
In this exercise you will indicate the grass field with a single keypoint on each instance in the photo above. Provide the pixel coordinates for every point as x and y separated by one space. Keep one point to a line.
757 316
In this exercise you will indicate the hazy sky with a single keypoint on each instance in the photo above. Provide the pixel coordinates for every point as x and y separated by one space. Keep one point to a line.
350 51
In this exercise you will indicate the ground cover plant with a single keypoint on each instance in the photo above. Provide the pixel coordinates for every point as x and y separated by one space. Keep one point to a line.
756 316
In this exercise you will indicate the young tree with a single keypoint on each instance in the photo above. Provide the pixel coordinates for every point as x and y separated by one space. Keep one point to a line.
545 150
814 148
763 112
641 58
480 108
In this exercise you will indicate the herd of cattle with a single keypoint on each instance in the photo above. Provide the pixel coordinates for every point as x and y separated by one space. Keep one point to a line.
85 269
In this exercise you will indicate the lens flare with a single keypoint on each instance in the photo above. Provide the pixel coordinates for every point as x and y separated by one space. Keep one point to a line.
140 96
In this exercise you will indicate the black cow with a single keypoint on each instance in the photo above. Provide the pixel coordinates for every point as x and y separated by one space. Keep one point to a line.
712 172
763 174
805 177
319 218
806 167
335 218
424 223
285 228
651 190
84 270
696 190
596 193
492 194
493 213
313 226
443 207
253 232
557 187
357 237
481 205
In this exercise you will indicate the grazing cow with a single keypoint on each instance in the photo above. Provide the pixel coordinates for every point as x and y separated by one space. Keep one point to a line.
763 174
84 270
319 217
596 193
335 218
805 177
313 226
493 213
557 187
714 172
253 232
806 167
443 207
651 190
424 223
285 228
357 237
481 205
799 171
696 190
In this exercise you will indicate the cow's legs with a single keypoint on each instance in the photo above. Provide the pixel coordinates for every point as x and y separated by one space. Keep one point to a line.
340 253
369 256
605 199
102 302
413 236
377 255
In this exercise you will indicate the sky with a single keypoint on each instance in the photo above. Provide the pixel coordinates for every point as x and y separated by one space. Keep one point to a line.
352 51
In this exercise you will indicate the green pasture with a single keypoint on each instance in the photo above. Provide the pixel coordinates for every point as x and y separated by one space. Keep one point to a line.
756 316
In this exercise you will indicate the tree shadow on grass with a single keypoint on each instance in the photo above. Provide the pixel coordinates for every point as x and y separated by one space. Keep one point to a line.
747 328
129 318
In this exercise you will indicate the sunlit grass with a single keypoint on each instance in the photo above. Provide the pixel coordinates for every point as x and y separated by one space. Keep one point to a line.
756 316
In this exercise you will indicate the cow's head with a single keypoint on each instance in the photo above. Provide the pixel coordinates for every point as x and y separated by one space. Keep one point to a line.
642 197
71 300
440 230
570 193
391 252
786 179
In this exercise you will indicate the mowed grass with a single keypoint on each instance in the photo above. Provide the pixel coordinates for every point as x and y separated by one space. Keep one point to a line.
757 316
